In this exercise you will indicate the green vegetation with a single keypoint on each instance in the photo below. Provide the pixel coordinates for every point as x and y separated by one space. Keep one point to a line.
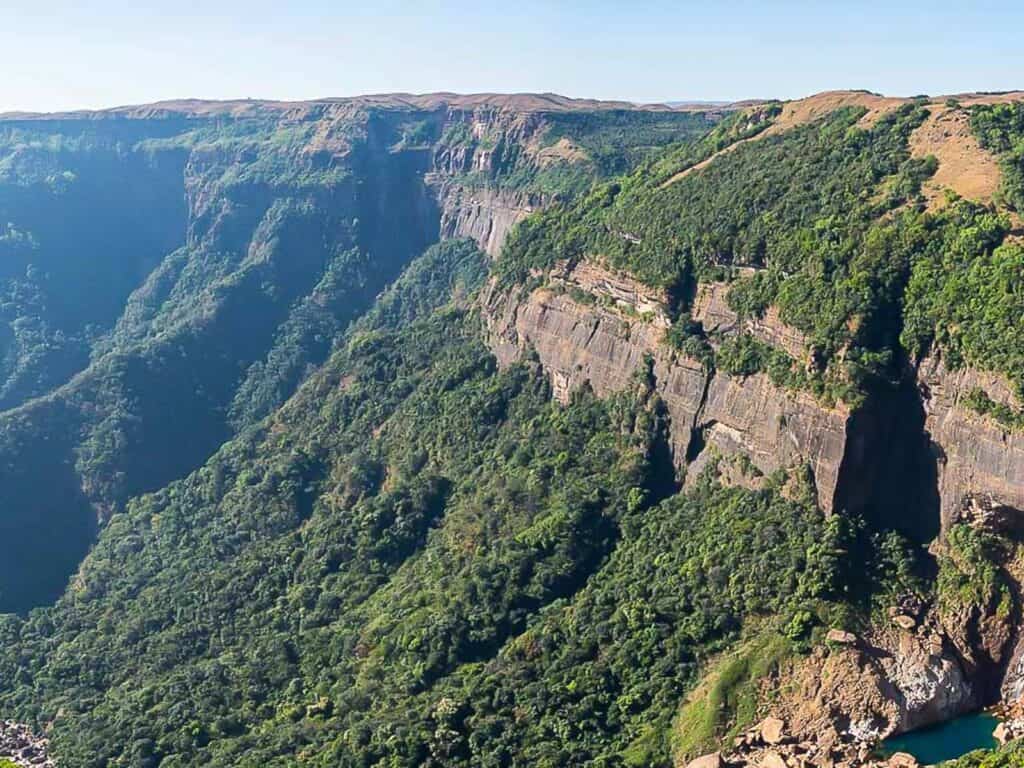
165 284
337 534
601 144
486 554
979 401
304 340
964 294
618 141
827 211
969 574
830 215
65 193
727 700
1000 129
743 355
688 336
232 302
1009 756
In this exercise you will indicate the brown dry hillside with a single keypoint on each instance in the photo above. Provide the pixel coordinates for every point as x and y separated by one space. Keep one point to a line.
803 111
964 167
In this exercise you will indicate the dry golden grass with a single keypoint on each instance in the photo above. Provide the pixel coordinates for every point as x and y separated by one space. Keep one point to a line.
964 167
803 111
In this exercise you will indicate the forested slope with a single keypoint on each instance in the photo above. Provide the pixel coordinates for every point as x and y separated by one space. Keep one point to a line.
171 279
732 434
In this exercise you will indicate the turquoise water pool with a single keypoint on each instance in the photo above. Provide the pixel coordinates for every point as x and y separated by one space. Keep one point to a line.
946 740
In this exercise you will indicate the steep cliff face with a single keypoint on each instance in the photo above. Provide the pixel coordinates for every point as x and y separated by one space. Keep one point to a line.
493 165
925 662
483 214
913 458
891 681
266 221
171 275
980 462
475 147
776 428
84 223
592 326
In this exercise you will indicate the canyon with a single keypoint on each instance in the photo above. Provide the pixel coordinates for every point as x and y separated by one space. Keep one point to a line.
204 282
465 430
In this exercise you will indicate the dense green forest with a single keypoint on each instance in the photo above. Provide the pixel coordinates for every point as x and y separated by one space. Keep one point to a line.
123 208
155 399
294 512
831 220
169 283
397 599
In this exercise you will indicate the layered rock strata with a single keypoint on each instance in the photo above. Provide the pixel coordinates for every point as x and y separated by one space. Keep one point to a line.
590 325
980 461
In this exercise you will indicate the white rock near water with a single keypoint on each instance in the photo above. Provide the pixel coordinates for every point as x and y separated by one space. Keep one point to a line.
20 745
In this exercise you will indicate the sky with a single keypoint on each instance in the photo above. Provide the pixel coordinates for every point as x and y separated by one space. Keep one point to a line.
72 54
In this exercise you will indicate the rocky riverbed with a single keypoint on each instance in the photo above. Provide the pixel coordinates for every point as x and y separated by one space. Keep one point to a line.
771 745
22 746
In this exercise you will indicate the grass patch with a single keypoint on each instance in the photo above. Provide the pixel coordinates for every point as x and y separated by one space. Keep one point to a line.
727 699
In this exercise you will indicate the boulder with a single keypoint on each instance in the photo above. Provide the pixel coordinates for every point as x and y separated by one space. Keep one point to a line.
772 759
841 637
905 622
713 760
902 760
1001 733
771 729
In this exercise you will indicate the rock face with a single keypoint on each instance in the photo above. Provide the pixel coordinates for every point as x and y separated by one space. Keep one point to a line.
588 325
772 730
22 747
713 760
916 456
840 637
485 215
841 700
891 682
591 325
980 463
461 169
711 308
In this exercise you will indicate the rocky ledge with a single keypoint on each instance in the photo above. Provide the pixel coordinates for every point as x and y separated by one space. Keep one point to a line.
921 662
20 745
592 326
770 745
980 462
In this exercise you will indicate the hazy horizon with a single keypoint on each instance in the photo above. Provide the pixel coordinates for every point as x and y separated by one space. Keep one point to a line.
62 56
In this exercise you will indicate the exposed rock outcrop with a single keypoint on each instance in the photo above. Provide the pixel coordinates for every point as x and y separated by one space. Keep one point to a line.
835 706
476 146
21 746
892 681
711 308
486 215
590 324
587 324
980 462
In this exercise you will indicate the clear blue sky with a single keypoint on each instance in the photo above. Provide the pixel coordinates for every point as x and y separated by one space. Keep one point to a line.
62 54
